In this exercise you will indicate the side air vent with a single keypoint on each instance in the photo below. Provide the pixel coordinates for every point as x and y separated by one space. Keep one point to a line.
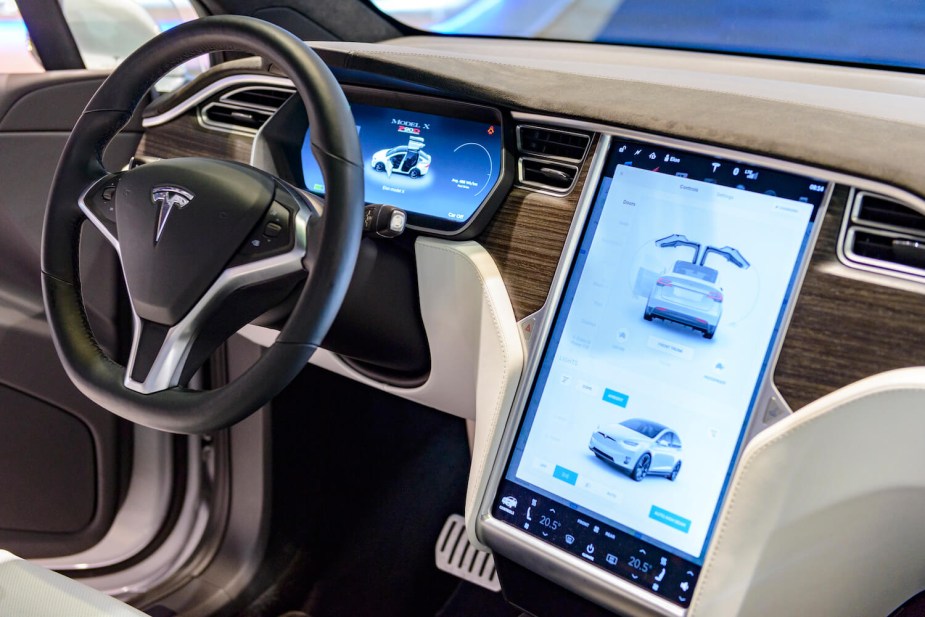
222 116
243 110
265 98
553 143
883 234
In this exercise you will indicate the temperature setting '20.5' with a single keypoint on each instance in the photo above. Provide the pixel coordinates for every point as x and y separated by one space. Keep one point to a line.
613 550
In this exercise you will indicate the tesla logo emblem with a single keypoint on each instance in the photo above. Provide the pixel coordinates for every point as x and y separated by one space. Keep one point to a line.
167 198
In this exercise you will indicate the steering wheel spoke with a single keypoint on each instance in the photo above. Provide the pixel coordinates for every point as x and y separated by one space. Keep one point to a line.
157 356
98 204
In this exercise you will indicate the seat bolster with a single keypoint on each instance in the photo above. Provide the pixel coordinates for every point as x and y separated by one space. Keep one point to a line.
824 515
28 590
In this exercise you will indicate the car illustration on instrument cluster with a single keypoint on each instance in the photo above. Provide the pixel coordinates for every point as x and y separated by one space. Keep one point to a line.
640 447
689 295
409 159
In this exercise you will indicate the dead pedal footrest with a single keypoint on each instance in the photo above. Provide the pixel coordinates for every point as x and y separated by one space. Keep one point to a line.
457 556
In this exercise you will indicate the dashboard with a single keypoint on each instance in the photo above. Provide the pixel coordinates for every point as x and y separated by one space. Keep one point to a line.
663 268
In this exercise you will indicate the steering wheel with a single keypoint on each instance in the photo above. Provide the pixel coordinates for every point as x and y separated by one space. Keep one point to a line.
205 245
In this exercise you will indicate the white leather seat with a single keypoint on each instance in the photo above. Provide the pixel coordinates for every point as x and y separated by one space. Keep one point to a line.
28 590
826 513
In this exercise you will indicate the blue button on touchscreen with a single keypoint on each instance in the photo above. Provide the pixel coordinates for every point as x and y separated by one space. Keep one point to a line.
425 164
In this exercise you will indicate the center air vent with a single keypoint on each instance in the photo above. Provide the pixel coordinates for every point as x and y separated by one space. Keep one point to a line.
243 110
885 235
549 158
554 176
553 143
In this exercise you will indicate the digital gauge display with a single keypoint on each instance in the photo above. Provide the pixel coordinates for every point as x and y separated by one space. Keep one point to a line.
439 169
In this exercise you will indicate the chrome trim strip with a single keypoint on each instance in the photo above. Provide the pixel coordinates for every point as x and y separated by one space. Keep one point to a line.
211 90
168 366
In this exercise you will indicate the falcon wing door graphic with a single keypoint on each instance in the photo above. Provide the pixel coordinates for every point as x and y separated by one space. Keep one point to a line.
410 159
689 295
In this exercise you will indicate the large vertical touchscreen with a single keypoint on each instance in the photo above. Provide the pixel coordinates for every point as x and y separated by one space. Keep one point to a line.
655 360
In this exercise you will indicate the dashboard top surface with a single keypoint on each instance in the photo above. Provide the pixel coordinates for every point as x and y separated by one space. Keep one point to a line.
878 135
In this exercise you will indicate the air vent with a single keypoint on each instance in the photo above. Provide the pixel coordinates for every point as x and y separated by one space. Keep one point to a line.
265 98
547 175
553 143
879 211
220 115
243 110
885 235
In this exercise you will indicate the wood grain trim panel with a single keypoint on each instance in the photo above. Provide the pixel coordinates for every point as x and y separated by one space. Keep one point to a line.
843 329
526 236
186 137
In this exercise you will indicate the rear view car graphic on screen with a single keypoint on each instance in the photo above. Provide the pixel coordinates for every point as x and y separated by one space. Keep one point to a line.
689 296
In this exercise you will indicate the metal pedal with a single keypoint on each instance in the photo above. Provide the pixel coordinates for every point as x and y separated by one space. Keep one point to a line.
456 555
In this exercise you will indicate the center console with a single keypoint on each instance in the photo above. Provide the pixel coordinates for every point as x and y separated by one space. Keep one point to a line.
653 363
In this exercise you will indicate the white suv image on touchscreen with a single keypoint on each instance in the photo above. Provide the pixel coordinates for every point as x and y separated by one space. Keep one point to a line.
641 447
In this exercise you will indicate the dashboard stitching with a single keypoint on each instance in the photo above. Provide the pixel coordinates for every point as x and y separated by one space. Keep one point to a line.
727 515
366 54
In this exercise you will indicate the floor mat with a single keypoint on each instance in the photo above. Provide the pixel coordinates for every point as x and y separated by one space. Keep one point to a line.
473 601
363 482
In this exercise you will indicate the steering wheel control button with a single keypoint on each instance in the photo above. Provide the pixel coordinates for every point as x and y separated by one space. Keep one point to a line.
272 236
272 229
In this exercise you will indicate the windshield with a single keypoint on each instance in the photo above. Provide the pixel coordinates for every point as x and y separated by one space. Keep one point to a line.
649 429
885 33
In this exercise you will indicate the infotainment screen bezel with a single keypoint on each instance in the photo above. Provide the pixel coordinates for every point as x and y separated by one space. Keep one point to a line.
550 561
283 137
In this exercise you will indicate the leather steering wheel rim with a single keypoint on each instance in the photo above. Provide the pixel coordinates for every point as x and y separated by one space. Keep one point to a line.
334 247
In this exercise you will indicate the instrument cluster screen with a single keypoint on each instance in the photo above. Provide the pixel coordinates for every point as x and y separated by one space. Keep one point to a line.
438 169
